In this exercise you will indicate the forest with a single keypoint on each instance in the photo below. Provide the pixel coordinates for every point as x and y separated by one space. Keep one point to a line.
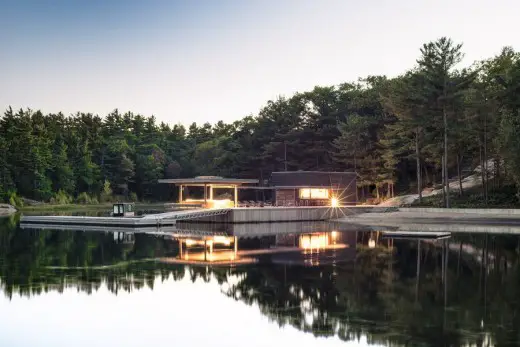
424 128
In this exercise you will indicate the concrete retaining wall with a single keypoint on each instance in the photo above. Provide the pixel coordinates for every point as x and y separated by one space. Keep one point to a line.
288 214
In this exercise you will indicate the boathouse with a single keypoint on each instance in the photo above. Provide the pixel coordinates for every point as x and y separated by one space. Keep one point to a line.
314 188
216 191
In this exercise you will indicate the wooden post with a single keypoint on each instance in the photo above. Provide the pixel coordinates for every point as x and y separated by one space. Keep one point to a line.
211 192
235 245
236 195
205 198
205 245
180 194
180 248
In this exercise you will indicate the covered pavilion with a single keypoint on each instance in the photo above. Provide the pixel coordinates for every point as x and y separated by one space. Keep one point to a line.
210 183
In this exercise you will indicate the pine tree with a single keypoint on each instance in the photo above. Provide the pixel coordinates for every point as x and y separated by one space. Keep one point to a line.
62 171
406 100
437 62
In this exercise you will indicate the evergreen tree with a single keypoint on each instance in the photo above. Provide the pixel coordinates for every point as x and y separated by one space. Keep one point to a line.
63 175
437 62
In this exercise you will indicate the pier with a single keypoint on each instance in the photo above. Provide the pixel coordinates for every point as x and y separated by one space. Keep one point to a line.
240 215
359 217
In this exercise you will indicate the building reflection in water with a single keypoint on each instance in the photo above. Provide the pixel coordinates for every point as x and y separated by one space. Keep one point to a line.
285 248
213 249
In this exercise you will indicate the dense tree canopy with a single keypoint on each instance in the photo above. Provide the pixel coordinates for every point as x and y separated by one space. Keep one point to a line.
412 131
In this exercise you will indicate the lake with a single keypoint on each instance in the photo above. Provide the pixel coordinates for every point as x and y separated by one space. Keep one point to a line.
303 284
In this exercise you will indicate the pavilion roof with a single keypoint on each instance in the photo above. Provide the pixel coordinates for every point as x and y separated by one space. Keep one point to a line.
206 180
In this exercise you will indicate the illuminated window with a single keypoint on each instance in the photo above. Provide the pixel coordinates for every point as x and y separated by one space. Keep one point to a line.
312 193
314 241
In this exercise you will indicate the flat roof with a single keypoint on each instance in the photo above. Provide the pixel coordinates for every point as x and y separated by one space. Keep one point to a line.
307 186
314 172
204 180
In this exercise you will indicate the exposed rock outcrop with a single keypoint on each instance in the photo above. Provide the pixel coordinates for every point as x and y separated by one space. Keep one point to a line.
6 210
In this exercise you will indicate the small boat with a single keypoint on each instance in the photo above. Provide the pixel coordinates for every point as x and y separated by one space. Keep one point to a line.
123 209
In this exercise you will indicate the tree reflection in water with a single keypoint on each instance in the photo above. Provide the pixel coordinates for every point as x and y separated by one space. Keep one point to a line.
460 292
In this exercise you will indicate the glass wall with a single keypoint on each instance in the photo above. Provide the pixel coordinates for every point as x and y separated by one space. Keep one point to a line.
314 193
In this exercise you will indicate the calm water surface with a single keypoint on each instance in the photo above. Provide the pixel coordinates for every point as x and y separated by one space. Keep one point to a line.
298 287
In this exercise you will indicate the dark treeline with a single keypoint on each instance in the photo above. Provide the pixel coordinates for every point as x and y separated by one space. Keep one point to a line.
410 132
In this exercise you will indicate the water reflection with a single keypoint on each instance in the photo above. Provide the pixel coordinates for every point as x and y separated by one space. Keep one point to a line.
305 248
344 283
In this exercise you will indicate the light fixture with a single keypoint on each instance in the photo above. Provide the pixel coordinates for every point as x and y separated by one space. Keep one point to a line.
334 202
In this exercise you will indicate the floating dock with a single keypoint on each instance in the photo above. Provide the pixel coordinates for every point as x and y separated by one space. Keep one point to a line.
153 220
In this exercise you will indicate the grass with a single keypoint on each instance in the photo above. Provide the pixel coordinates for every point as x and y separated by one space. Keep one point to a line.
503 197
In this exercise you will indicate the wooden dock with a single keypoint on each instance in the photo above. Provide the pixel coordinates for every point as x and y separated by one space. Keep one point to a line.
153 220
207 216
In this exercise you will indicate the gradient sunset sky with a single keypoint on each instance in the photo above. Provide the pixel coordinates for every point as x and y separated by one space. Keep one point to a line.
204 60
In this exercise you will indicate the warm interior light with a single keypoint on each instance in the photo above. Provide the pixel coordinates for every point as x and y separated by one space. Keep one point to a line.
212 203
222 240
371 243
224 203
314 193
315 241
190 242
334 202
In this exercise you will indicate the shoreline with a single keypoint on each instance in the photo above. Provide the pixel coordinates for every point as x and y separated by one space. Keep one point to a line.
6 210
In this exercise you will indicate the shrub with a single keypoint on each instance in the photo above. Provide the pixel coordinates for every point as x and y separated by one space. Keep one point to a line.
14 199
61 198
106 193
84 198
133 197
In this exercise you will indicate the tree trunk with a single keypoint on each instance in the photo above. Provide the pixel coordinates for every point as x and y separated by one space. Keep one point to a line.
459 173
418 161
427 179
446 177
377 192
355 171
485 157
483 175
497 171
443 181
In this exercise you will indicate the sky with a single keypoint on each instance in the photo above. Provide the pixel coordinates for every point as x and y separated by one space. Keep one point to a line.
174 313
209 60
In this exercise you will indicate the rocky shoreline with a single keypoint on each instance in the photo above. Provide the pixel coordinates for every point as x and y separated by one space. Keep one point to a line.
6 210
